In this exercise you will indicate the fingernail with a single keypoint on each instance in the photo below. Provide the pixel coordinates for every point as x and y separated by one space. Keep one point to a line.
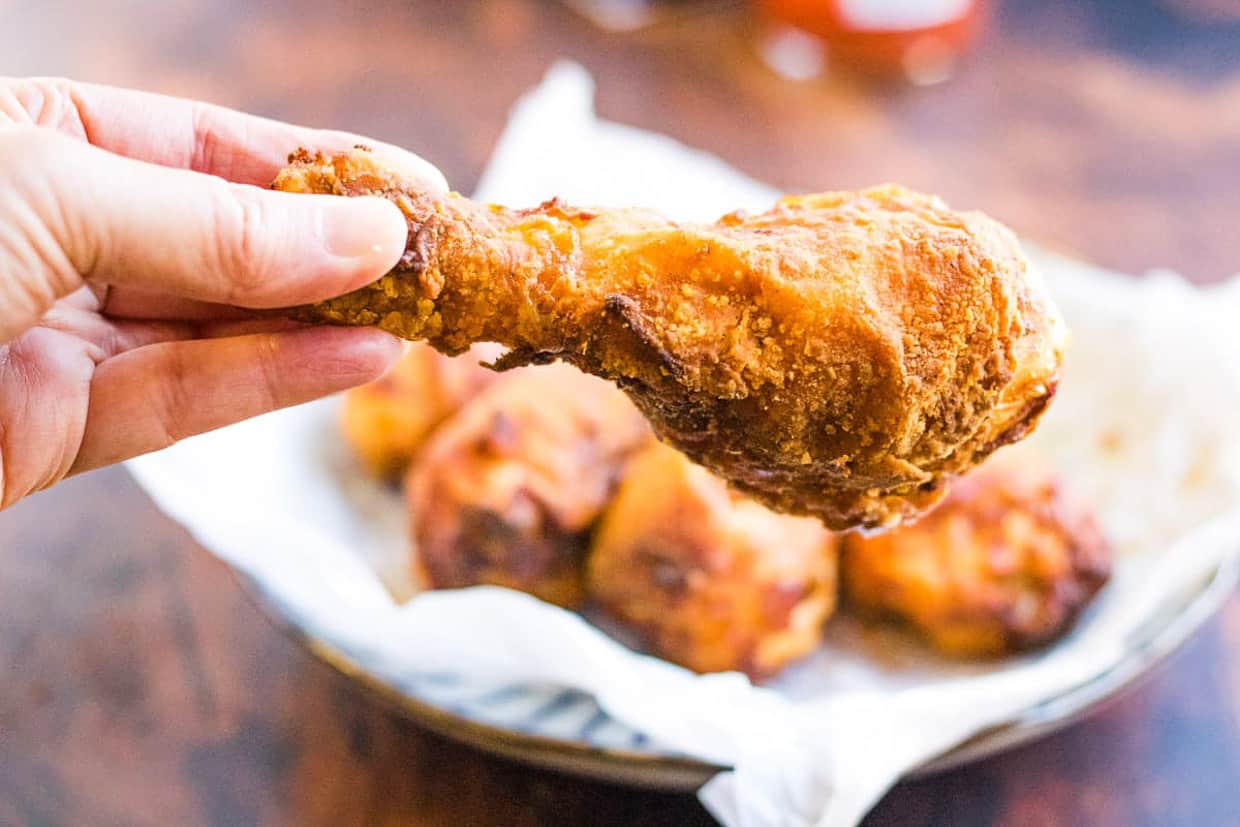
368 229
353 354
386 347
415 172
374 351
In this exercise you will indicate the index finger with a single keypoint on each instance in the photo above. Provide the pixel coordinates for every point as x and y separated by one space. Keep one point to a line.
185 134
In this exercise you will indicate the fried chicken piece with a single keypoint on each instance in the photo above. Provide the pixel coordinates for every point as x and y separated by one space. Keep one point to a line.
1004 563
506 492
709 578
840 355
386 421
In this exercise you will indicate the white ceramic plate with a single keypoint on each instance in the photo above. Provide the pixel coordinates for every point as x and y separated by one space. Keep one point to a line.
567 731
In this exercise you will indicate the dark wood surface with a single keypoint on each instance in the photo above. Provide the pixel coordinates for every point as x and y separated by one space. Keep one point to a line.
140 685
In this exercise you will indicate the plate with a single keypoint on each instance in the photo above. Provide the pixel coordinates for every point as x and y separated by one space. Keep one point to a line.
567 731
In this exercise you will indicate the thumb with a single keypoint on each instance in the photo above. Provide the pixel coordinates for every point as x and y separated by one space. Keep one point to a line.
70 212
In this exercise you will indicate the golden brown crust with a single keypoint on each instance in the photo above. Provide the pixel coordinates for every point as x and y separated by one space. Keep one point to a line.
1004 563
840 355
507 491
708 578
386 421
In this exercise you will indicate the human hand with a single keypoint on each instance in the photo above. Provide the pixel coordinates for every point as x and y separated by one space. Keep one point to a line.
134 231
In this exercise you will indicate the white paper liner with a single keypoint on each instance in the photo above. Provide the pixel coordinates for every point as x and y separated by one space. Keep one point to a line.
1144 424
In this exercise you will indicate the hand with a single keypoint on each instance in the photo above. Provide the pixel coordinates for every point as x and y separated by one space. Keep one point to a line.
134 229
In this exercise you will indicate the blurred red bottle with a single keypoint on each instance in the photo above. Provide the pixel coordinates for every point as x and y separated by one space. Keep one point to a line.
920 39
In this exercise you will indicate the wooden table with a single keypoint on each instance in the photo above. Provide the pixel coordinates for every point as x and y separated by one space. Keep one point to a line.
142 687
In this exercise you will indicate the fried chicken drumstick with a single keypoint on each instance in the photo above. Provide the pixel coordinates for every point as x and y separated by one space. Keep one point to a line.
706 577
387 421
508 490
1005 563
840 355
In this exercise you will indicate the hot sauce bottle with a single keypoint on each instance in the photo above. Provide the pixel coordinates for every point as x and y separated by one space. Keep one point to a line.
918 39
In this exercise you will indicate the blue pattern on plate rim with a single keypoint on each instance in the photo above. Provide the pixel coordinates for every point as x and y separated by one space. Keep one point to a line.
544 711
570 715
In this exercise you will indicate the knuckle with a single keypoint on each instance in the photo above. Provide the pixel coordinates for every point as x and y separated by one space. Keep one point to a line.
175 404
241 223
207 148
216 138
36 243
271 377
40 101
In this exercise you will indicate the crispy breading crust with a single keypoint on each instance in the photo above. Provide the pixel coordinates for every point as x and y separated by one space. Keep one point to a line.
840 355
1004 563
708 578
386 421
507 491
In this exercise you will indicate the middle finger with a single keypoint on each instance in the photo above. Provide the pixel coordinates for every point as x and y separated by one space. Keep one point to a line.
135 303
